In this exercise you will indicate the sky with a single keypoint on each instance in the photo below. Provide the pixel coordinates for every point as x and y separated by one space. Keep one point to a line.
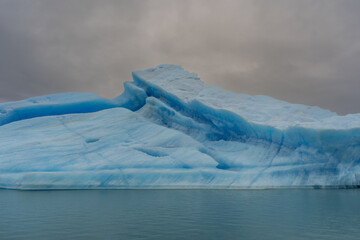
305 52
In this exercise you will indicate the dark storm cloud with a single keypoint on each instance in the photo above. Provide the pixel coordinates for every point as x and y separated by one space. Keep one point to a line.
299 51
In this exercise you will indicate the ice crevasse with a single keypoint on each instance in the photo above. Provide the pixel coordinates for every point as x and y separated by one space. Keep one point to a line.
168 129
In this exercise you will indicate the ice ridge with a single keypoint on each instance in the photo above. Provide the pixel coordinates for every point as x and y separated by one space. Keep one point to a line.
171 130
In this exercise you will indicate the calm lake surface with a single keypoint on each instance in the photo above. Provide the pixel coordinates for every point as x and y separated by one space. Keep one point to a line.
180 214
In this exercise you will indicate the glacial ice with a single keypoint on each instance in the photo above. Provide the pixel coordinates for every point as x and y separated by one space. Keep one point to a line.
171 130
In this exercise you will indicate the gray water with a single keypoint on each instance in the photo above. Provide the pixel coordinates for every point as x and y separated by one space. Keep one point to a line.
180 214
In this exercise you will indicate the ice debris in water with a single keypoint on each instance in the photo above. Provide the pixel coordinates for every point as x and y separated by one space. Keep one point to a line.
171 130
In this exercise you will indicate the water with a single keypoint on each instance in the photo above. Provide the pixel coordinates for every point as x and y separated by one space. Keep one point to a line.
180 214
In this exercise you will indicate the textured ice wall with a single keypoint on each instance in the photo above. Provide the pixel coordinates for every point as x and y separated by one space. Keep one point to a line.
171 130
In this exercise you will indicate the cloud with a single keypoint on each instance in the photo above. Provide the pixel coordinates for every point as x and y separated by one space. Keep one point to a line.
299 51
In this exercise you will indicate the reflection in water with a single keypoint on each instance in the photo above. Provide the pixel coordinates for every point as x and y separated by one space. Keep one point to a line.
180 214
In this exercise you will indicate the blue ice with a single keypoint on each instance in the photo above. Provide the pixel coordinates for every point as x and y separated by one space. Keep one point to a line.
171 130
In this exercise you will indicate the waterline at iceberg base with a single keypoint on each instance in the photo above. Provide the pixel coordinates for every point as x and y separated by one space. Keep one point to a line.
171 130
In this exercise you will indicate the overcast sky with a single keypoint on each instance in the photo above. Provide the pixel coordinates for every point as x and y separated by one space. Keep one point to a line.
300 51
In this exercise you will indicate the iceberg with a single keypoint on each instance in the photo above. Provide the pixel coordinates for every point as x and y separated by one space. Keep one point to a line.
168 129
